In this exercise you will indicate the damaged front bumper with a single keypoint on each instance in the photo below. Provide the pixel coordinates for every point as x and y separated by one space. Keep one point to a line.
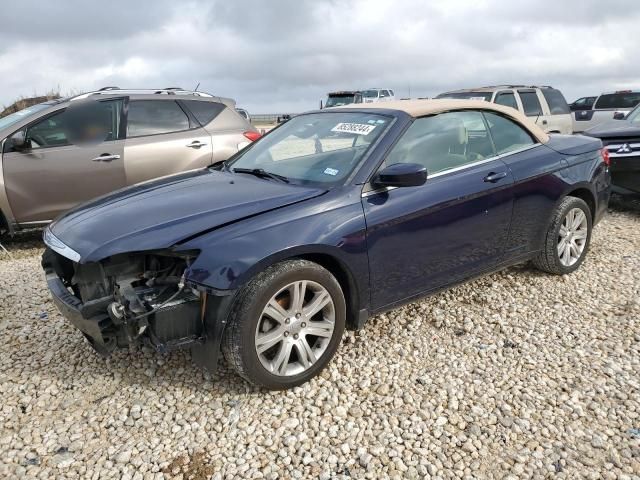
120 302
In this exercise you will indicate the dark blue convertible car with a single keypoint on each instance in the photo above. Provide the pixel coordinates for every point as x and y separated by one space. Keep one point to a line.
334 216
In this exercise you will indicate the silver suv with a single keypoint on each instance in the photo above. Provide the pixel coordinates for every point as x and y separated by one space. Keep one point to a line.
545 106
63 152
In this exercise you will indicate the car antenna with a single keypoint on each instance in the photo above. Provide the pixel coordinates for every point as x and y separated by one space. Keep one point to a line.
196 89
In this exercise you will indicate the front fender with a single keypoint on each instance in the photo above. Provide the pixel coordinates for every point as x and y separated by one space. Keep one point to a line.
332 226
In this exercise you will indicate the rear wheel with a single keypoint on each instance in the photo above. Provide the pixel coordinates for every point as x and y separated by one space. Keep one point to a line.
286 325
567 239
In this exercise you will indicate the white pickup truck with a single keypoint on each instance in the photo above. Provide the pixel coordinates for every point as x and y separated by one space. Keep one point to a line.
608 106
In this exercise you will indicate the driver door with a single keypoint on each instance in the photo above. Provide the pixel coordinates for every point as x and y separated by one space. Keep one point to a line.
56 171
454 226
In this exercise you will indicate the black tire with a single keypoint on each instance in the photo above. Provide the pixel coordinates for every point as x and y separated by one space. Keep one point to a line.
239 342
548 259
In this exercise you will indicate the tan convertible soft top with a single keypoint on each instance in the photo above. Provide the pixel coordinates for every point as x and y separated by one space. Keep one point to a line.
419 108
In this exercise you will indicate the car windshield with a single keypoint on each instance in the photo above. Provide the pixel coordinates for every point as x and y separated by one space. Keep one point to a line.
634 116
370 94
486 96
21 115
318 148
337 100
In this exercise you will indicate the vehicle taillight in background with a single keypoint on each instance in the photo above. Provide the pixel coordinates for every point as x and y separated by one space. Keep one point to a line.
252 136
605 156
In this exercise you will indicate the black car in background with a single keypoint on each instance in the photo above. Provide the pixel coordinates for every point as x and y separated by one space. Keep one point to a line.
621 139
583 103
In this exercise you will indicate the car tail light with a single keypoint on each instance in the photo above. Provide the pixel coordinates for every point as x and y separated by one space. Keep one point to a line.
605 156
252 136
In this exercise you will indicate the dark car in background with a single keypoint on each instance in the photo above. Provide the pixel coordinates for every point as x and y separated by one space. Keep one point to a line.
621 139
334 216
63 152
343 97
583 103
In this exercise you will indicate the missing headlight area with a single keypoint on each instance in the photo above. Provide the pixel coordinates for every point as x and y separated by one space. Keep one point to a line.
128 299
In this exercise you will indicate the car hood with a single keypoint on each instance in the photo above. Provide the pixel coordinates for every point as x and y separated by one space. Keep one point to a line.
614 128
161 213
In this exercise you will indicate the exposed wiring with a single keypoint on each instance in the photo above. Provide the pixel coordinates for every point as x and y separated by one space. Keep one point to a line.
180 289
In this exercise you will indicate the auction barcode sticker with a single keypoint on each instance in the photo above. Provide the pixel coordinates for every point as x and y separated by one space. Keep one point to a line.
357 128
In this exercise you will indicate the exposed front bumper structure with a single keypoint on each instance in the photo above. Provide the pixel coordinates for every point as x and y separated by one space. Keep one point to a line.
116 304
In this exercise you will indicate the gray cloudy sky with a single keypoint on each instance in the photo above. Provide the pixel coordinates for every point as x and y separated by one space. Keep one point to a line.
284 55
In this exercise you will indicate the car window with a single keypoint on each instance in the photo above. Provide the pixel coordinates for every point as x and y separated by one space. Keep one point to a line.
337 100
152 117
443 142
530 103
384 93
555 100
22 114
507 135
205 112
94 122
507 99
618 100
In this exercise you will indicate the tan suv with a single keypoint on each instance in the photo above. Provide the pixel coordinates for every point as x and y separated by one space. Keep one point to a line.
545 106
63 152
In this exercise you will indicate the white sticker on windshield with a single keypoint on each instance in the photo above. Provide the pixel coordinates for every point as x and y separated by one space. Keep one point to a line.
478 98
331 171
357 128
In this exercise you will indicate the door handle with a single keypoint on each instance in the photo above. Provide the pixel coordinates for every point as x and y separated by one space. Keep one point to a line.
106 157
196 144
544 122
495 177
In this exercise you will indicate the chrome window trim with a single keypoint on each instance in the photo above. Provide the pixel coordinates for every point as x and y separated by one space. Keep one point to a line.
480 162
460 168
55 244
377 190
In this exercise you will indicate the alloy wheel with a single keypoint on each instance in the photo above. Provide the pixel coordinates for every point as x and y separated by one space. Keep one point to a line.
295 328
572 237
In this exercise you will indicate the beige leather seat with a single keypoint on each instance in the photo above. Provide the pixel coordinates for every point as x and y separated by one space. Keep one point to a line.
442 149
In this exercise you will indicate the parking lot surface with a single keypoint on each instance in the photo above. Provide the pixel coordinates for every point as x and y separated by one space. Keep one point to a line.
518 373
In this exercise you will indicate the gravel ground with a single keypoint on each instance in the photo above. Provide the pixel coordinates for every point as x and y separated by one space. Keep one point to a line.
517 374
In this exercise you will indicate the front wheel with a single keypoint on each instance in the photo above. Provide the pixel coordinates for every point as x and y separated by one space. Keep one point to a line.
286 325
567 238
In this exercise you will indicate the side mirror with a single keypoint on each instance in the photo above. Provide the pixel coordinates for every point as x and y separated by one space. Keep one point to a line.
401 175
618 116
19 140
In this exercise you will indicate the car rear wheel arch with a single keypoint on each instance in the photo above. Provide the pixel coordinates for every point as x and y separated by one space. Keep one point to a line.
587 196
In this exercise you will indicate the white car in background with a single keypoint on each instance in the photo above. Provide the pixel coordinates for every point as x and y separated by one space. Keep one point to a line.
372 95
546 106
608 106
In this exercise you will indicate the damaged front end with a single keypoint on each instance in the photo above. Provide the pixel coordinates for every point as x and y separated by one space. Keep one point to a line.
138 298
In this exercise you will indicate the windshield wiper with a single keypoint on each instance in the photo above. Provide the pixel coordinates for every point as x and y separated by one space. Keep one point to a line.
259 172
